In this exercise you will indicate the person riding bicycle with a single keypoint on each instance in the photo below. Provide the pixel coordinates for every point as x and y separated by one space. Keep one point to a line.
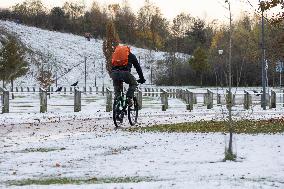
122 61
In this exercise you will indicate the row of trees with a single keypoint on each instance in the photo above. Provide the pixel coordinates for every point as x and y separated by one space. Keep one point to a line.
147 28
210 68
186 34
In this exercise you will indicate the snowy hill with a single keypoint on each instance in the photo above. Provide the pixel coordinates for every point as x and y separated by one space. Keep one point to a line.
65 54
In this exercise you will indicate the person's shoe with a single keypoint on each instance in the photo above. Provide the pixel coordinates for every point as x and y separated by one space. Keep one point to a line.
129 102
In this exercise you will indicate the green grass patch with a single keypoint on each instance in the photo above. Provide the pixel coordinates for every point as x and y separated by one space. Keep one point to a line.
94 180
18 96
41 150
271 126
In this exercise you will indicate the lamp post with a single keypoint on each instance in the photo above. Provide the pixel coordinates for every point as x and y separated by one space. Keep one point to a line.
220 52
263 99
85 62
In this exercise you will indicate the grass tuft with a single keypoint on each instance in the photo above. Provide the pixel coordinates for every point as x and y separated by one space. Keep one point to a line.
229 156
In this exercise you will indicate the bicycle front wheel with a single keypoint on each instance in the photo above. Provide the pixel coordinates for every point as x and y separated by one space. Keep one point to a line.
118 113
133 112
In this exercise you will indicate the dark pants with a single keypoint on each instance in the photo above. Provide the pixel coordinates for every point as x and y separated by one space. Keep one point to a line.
119 77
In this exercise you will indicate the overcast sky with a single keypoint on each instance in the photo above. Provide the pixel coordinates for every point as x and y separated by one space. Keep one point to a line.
206 9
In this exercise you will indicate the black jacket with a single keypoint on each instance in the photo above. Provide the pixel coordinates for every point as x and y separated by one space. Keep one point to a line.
132 60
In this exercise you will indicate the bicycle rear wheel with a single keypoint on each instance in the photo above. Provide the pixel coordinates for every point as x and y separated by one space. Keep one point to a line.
118 113
133 112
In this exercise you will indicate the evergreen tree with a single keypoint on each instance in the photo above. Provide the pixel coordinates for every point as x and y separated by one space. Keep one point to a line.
57 18
109 43
12 63
199 63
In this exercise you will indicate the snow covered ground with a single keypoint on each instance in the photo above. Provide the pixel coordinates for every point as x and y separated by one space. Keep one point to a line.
87 147
84 145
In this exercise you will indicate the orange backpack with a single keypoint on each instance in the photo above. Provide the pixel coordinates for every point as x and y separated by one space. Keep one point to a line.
120 56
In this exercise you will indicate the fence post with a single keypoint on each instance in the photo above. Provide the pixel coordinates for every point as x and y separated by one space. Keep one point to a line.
194 98
22 90
12 92
283 97
64 89
5 100
108 100
229 99
183 95
164 100
90 90
218 98
103 90
247 100
43 100
205 98
176 93
28 89
180 93
267 99
157 93
209 99
48 92
273 100
145 92
17 90
139 99
77 100
190 100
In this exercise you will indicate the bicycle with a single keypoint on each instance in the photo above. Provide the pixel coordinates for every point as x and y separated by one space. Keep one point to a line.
121 108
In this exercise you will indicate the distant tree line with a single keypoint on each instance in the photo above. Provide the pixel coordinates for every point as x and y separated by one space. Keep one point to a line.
148 28
208 67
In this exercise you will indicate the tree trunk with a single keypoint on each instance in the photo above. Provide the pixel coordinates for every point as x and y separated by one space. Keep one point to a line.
12 88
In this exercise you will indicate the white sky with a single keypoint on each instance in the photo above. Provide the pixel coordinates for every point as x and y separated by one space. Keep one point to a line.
208 9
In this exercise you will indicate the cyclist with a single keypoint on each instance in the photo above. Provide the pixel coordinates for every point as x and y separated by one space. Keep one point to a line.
122 61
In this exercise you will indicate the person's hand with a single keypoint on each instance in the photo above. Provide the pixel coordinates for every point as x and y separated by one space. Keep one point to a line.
141 80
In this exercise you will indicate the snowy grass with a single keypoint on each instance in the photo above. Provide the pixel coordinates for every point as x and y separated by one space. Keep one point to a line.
119 159
77 181
41 150
270 126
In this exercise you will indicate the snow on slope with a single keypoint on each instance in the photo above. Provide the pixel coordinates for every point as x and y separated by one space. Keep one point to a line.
67 54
